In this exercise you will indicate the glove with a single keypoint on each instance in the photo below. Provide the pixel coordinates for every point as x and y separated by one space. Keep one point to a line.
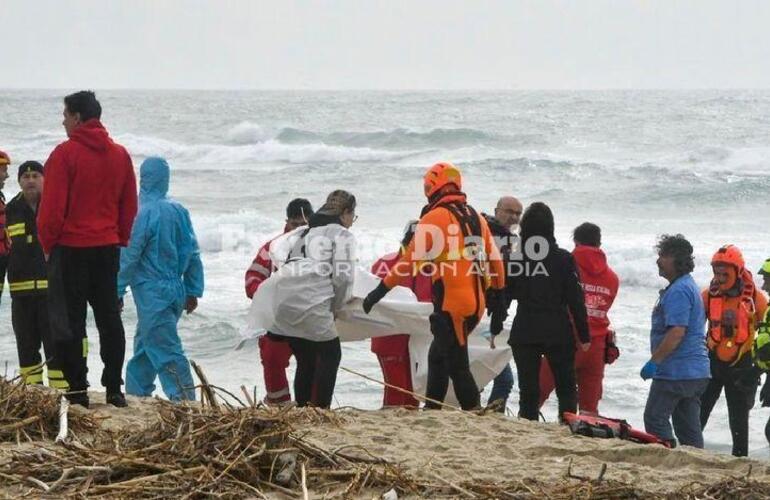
496 307
649 370
764 394
375 296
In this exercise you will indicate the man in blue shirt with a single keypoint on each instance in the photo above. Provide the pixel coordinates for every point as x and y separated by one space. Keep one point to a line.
679 366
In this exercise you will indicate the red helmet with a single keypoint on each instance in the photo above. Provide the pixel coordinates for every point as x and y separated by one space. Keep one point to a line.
439 175
4 158
729 255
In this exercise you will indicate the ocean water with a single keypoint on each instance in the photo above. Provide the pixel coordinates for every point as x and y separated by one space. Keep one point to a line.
639 164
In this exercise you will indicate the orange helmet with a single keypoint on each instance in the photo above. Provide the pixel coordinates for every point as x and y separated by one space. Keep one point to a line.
4 158
730 255
439 175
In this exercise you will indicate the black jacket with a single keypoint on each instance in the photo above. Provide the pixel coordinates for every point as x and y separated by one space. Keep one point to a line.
26 264
506 242
549 299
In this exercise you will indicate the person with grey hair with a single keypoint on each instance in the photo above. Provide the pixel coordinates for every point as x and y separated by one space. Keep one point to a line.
503 226
679 365
314 284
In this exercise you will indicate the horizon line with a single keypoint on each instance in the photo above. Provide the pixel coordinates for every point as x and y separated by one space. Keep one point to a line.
385 90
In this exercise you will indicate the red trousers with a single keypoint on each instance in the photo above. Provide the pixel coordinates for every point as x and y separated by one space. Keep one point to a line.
275 357
393 355
589 372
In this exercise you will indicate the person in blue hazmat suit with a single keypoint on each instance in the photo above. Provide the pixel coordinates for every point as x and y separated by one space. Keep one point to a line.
162 266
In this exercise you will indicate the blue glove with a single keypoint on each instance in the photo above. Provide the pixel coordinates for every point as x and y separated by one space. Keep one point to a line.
649 370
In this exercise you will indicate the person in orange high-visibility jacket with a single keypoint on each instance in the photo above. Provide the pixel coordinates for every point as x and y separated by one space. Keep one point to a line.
454 245
734 307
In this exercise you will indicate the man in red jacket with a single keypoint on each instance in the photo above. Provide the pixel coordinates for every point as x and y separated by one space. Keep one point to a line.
600 287
85 215
275 353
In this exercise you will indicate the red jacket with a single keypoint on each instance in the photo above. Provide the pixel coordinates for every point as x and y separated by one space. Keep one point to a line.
89 198
261 268
5 241
421 285
600 286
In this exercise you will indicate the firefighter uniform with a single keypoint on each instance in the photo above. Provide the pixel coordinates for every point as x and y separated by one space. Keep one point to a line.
28 285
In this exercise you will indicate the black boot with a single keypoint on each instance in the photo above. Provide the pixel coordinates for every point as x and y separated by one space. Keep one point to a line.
78 398
116 399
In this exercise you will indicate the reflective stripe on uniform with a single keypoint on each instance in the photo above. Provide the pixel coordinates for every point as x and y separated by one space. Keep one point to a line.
278 394
56 380
58 384
33 378
32 374
21 286
258 268
17 229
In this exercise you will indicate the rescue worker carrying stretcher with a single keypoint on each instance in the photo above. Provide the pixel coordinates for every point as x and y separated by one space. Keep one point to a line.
734 307
452 244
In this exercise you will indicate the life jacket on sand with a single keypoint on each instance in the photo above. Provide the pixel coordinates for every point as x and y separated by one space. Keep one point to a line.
731 319
605 428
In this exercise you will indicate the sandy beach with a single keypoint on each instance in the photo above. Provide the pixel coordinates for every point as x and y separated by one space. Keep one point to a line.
448 449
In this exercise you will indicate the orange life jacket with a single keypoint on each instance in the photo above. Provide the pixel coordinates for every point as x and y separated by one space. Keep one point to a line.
731 320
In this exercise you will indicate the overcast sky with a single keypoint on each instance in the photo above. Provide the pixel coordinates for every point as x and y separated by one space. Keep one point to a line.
393 44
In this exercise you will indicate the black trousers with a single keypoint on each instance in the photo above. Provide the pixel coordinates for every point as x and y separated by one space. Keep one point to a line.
447 359
78 277
317 365
29 317
561 358
740 384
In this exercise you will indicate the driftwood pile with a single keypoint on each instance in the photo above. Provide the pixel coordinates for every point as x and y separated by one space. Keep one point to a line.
220 450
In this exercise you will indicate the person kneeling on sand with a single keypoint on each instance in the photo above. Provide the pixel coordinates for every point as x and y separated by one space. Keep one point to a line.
679 365
162 265
734 308
312 286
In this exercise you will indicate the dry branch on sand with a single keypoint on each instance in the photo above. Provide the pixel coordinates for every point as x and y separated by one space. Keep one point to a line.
195 451
31 413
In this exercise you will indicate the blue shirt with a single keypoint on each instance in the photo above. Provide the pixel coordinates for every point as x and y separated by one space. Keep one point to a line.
681 304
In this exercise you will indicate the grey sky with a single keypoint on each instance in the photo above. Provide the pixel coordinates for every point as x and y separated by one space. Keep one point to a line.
349 44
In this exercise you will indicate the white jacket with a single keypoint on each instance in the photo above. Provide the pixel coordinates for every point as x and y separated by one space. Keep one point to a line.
314 283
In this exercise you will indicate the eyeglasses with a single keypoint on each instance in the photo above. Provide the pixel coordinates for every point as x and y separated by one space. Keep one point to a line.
355 218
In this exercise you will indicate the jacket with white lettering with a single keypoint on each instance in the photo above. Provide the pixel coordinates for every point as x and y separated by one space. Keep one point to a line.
600 286
261 268
26 264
